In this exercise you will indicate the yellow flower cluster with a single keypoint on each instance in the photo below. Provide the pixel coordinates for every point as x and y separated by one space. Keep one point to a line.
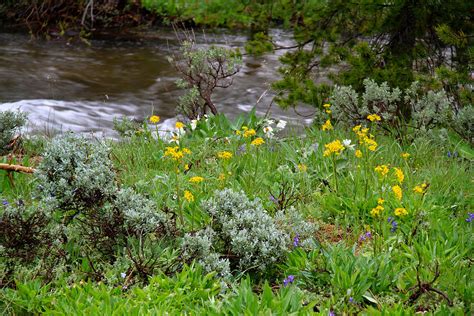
257 141
382 170
196 179
326 108
188 196
375 212
405 155
401 212
246 132
334 147
224 155
176 153
365 138
398 192
358 153
374 117
420 189
302 167
399 174
179 125
154 119
327 126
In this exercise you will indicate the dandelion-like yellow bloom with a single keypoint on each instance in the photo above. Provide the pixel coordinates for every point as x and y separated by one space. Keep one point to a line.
238 132
401 212
375 212
188 196
356 128
374 117
380 201
186 167
174 153
179 125
257 141
249 132
382 170
398 192
358 153
334 147
328 111
327 126
371 144
221 177
326 105
154 119
405 155
224 155
302 167
196 179
420 189
399 174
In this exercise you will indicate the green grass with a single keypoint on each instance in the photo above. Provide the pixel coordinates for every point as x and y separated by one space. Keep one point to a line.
337 272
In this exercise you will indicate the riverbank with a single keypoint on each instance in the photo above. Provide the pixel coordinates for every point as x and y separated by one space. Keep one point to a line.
363 228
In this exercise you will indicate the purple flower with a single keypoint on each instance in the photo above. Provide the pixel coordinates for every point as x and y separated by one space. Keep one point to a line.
331 313
288 280
5 202
394 226
296 240
351 299
449 154
365 236
368 235
470 217
272 198
390 219
242 149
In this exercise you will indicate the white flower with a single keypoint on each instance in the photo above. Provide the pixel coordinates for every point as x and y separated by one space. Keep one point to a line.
347 143
194 124
123 275
174 139
268 131
281 124
268 122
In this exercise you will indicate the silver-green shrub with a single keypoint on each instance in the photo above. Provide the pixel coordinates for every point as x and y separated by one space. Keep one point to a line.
240 232
75 174
10 123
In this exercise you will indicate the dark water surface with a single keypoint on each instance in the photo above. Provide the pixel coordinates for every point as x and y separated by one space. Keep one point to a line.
82 88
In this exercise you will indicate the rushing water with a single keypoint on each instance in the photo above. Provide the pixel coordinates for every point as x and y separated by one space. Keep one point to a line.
82 88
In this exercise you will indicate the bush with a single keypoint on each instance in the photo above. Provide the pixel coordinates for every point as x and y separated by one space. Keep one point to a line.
240 233
10 123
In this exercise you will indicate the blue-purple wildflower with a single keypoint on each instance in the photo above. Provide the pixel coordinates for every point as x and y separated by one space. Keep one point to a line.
296 240
242 149
289 280
394 224
5 202
331 313
365 236
351 300
470 217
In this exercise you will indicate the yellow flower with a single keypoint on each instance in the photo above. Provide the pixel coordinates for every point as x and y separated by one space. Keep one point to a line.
380 201
373 117
328 111
420 189
221 177
249 132
186 167
154 119
238 132
179 125
196 179
398 192
327 106
401 212
405 155
327 126
376 210
382 170
371 144
174 153
356 128
186 151
399 174
257 141
188 196
334 147
302 167
358 153
224 155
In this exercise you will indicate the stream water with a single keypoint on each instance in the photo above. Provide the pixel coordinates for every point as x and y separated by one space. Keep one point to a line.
82 88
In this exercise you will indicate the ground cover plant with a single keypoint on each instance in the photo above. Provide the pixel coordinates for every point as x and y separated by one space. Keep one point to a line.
240 217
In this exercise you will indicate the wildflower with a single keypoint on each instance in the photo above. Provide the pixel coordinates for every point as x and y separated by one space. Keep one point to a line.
400 211
249 132
154 119
365 236
420 189
399 174
194 124
186 167
196 179
296 240
221 177
327 105
373 117
327 126
328 111
375 212
268 130
351 300
4 202
288 280
347 144
382 170
179 125
470 217
273 199
186 151
281 124
380 201
123 274
394 224
174 139
334 147
358 153
238 132
224 155
398 192
405 155
174 153
188 196
242 149
370 144
302 167
356 128
257 141
331 313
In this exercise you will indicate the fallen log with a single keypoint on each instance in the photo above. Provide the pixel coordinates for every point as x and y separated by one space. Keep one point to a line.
17 168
